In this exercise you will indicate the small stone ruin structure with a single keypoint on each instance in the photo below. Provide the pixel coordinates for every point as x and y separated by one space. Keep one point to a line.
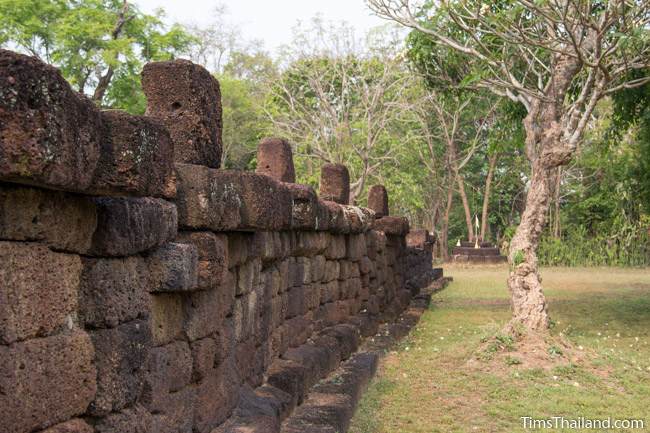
143 289
477 253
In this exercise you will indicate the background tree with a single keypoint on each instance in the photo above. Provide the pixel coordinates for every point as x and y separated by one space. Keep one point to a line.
339 102
558 59
100 46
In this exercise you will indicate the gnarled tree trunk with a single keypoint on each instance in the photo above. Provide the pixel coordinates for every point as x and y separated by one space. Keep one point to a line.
528 301
547 148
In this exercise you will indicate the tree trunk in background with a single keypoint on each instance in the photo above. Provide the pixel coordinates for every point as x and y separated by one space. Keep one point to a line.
468 212
444 230
486 196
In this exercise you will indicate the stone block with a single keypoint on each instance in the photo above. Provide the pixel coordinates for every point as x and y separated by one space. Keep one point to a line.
366 266
213 257
337 220
248 275
241 246
133 420
186 98
288 376
205 311
175 412
347 336
127 226
318 264
61 220
270 246
204 358
73 426
174 268
335 183
298 330
355 247
275 159
49 134
113 291
137 157
120 355
45 381
168 370
38 290
224 200
336 248
378 200
309 243
167 317
357 219
305 208
216 397
390 225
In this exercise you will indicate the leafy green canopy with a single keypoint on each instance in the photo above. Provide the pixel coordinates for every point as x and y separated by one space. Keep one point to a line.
91 40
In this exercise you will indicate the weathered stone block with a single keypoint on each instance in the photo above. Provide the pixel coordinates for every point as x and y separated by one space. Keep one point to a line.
127 226
205 311
318 264
63 221
186 98
248 275
223 200
174 268
288 376
45 381
335 183
216 397
275 159
132 420
306 211
337 221
113 291
213 256
137 157
269 246
299 329
355 246
49 134
332 271
365 265
175 412
120 355
391 225
357 219
73 426
336 248
378 200
167 317
38 290
168 369
204 358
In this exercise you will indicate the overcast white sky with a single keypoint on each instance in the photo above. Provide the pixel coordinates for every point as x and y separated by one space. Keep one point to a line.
267 20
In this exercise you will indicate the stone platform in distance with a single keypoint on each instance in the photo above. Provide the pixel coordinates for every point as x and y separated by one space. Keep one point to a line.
485 254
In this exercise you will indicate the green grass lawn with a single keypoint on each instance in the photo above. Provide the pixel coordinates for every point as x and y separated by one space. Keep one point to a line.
433 381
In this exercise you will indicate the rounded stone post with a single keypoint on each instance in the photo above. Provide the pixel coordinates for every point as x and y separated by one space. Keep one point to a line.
378 200
186 98
335 183
275 159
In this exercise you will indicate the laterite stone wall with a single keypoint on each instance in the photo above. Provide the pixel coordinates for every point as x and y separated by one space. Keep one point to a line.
143 289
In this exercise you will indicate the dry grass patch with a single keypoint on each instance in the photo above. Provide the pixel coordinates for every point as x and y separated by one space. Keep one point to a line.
596 365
